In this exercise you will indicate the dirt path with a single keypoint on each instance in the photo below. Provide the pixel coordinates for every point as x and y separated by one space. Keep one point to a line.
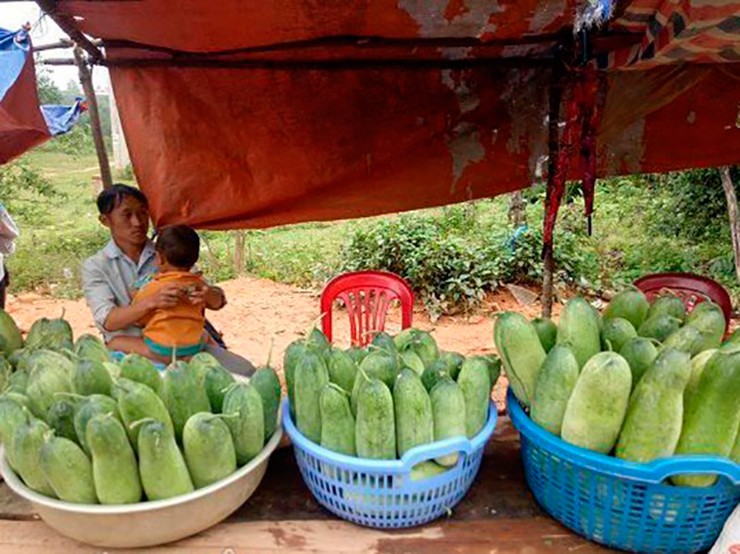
260 310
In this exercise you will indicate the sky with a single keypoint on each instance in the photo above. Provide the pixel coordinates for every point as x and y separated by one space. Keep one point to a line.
45 31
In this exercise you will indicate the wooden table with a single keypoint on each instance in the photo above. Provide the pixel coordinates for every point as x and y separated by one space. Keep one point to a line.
498 515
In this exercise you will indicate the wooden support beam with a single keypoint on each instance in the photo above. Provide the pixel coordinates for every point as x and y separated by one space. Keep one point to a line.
347 41
311 65
63 43
57 61
67 24
97 130
332 64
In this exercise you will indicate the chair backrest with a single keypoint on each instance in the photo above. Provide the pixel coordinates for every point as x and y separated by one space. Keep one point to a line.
366 296
692 289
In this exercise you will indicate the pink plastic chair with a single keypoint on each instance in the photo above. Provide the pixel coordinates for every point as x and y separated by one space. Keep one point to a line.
692 289
367 296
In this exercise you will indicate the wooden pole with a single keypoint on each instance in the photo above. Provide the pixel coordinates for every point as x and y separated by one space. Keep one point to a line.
67 24
63 43
92 104
732 211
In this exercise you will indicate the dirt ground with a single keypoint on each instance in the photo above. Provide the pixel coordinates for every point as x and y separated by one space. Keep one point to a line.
260 311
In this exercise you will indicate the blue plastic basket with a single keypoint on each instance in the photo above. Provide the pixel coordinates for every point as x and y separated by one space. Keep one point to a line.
622 504
380 493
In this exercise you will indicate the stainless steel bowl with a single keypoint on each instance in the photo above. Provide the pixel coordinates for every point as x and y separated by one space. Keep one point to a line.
148 523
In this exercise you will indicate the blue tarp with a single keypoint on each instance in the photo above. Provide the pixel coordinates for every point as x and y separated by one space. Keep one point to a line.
14 47
23 123
61 119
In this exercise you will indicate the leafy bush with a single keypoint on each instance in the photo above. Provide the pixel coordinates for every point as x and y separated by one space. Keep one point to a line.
452 266
51 261
77 142
692 204
24 191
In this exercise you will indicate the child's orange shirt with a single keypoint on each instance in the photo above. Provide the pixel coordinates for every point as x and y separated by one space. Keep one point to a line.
181 325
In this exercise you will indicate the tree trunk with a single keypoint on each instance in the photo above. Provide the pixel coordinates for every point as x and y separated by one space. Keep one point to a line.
517 213
731 197
92 105
239 247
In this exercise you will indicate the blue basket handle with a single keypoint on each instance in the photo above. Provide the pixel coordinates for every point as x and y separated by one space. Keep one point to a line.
660 470
430 451
653 472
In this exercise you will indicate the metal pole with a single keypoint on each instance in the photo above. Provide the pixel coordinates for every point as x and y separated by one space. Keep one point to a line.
97 130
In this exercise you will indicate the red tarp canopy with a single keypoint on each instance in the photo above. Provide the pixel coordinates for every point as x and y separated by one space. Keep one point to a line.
330 110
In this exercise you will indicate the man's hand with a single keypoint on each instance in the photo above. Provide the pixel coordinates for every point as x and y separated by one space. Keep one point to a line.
212 298
165 297
197 294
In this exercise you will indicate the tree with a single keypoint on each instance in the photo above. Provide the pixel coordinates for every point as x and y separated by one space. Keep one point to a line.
49 93
517 209
71 91
731 197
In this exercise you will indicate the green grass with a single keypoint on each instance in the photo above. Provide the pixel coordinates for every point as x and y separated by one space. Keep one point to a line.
53 245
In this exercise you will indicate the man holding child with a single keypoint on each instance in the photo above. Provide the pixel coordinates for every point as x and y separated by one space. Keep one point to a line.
144 296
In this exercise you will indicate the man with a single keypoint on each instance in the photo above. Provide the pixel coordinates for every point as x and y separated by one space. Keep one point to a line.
109 276
8 234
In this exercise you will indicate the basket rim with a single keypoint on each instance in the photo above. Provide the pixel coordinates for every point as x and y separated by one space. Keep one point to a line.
654 472
396 466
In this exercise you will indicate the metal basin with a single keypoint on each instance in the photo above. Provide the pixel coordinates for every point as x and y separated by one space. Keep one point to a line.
148 523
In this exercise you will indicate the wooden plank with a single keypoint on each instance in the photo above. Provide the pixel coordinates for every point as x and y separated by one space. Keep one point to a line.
13 506
503 536
499 491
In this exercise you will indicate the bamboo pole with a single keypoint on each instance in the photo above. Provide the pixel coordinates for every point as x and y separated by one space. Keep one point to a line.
67 24
97 130
63 43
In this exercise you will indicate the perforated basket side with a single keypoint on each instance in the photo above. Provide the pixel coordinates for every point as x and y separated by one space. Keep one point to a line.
606 500
381 494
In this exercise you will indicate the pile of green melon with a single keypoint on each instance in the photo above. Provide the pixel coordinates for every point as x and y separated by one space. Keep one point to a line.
642 381
78 427
380 401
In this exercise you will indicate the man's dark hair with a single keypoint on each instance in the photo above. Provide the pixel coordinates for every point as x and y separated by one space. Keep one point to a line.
179 245
111 198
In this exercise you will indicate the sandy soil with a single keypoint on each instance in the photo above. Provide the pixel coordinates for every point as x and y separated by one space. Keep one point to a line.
260 311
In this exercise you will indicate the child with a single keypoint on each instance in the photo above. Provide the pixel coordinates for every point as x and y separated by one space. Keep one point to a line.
181 327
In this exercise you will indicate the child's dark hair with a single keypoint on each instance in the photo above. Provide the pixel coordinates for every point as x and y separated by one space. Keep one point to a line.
110 198
179 245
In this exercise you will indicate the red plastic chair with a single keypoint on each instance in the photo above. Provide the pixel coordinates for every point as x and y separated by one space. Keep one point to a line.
367 296
692 289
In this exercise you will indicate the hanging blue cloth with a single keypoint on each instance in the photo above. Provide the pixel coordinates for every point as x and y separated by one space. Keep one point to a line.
61 119
14 47
15 51
518 232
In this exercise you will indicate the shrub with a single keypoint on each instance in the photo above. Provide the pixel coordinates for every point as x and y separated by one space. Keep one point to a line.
692 204
452 266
